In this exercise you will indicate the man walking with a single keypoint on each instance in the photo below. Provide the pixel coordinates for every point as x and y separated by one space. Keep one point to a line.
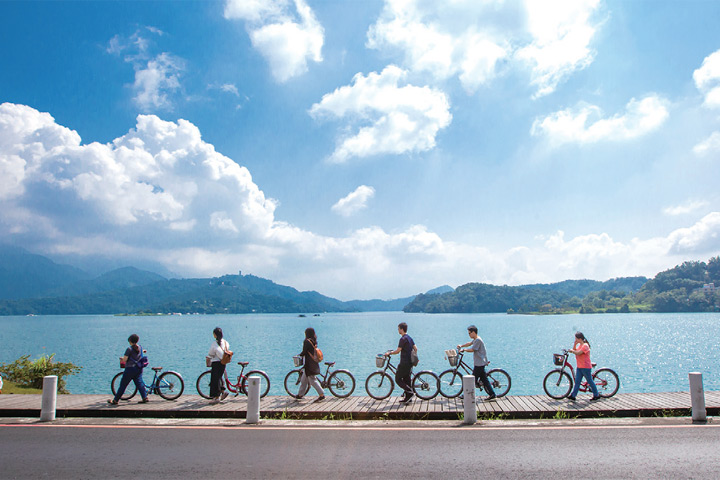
404 369
479 359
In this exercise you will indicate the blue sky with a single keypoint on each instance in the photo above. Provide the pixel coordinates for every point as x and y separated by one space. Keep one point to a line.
363 148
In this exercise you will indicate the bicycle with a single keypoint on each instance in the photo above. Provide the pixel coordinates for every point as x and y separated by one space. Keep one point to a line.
341 383
451 380
203 382
380 385
558 383
168 385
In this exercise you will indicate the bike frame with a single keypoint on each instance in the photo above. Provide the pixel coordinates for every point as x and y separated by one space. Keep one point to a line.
237 387
584 386
468 370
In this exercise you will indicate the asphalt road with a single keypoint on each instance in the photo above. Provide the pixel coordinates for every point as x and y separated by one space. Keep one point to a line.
159 452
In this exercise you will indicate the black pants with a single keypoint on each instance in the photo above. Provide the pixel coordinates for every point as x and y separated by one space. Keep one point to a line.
480 374
402 377
216 379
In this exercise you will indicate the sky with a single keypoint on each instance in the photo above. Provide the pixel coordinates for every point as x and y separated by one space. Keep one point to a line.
363 149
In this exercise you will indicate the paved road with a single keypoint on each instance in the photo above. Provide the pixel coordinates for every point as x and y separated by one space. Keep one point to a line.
159 452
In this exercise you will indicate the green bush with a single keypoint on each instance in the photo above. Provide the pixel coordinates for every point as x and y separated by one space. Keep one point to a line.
28 373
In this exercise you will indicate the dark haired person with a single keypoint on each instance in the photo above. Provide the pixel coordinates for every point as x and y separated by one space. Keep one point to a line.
581 349
480 361
217 368
132 371
404 369
311 367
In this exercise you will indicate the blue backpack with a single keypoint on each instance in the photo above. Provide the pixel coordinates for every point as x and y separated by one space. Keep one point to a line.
142 361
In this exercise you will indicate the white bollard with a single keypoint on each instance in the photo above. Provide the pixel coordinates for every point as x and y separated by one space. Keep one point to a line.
49 398
253 405
697 397
468 384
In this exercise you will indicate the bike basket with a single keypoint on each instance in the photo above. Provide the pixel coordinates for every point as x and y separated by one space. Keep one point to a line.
558 359
452 357
380 361
298 360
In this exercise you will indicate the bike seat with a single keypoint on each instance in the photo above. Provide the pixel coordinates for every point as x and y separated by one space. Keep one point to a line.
594 365
157 369
244 364
329 364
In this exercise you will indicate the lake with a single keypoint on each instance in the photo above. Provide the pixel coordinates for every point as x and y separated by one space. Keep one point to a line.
650 352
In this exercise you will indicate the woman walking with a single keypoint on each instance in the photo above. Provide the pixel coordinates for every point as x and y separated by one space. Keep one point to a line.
217 368
312 367
581 349
133 371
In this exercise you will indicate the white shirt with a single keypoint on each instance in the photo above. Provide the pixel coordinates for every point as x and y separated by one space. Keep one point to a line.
216 351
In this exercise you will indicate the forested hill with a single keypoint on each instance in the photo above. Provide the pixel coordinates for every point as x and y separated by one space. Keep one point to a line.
685 288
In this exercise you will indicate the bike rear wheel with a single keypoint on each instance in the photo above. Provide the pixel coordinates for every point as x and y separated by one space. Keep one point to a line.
170 386
557 384
500 381
130 391
203 384
426 385
450 384
292 383
607 382
379 385
264 383
341 383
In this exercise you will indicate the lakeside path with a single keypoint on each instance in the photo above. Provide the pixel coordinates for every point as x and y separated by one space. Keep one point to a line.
365 408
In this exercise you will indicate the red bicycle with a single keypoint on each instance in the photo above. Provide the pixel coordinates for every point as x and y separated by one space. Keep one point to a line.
558 383
203 382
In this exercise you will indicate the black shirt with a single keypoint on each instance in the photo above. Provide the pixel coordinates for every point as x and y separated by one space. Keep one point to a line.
406 344
311 366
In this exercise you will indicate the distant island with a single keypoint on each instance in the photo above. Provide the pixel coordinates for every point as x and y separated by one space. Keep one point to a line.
31 284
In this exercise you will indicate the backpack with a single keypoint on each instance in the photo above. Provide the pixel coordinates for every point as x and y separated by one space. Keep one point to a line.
142 361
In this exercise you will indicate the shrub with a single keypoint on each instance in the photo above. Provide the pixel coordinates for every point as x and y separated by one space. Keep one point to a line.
30 373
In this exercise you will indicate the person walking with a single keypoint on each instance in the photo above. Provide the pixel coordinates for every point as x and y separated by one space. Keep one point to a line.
404 369
217 368
480 361
133 370
311 367
581 349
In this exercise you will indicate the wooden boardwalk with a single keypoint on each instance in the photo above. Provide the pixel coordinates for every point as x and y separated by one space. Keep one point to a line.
360 408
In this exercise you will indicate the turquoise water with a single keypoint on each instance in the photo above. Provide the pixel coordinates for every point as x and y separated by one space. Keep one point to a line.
650 352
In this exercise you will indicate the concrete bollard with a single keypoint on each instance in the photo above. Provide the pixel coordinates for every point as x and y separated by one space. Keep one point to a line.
468 384
49 398
253 405
697 397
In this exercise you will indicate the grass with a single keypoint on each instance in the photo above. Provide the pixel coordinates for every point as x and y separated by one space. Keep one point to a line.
11 388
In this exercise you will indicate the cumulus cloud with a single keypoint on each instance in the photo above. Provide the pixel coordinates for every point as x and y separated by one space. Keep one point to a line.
471 39
287 37
354 201
160 193
402 118
584 123
709 145
691 206
707 79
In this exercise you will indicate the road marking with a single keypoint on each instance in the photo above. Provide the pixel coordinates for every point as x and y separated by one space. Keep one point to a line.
361 428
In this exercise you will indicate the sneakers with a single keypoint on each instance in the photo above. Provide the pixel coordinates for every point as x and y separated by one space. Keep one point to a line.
319 399
144 400
112 402
214 401
572 399
490 398
407 398
224 396
594 398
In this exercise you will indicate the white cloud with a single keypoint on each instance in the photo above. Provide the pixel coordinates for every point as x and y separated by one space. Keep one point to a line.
160 193
691 206
471 39
709 145
562 31
156 81
583 124
707 79
402 118
354 201
286 38
230 88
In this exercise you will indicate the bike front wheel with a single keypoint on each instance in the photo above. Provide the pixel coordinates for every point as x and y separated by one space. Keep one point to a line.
500 381
379 385
426 385
203 384
292 383
130 391
341 383
264 383
170 386
607 382
557 384
450 384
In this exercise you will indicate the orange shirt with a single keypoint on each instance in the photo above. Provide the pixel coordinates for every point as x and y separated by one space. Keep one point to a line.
583 358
